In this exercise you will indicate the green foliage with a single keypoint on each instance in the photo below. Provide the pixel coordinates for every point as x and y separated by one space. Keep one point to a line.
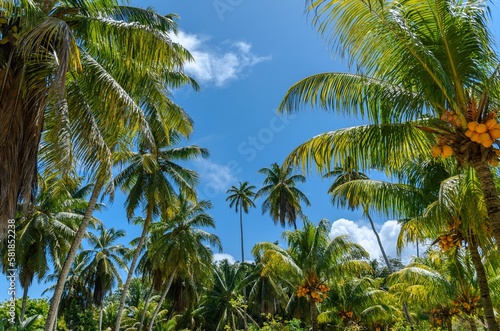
276 323
34 307
77 319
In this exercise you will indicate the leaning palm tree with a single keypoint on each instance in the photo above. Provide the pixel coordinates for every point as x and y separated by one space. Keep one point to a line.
427 79
150 178
345 174
282 196
104 262
66 69
179 244
241 198
44 235
67 93
311 260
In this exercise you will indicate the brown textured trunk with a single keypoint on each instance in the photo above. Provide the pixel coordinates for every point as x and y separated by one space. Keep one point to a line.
146 303
314 315
145 229
20 132
25 299
163 296
490 193
472 323
489 313
54 303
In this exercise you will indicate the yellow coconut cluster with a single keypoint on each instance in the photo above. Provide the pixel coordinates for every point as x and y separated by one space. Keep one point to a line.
483 133
468 305
447 242
452 118
444 151
317 291
302 291
346 315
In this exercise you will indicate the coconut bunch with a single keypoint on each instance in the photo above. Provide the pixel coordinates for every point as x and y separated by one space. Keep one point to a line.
483 133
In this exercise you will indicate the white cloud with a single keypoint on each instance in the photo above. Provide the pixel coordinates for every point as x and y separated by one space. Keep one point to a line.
216 178
364 236
212 66
217 257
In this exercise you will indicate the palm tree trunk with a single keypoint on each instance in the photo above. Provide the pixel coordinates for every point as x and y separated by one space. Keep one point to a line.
137 252
25 298
100 317
490 193
408 317
163 296
386 259
241 235
146 303
242 261
472 323
314 315
75 245
489 313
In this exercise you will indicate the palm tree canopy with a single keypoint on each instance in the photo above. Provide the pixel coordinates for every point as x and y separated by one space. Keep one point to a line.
241 197
283 198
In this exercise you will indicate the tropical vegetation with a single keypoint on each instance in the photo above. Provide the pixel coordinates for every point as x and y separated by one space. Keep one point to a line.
87 111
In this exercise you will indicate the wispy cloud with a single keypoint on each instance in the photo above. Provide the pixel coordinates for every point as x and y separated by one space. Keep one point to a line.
215 178
217 257
364 236
217 66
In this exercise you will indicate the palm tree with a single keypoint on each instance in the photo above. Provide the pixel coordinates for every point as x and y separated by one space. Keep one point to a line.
104 261
241 198
66 69
428 75
283 198
179 243
222 305
345 174
149 179
45 234
68 94
311 260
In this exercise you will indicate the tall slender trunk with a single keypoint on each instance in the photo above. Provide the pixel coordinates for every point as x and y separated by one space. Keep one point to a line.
408 316
490 193
100 317
482 279
137 252
314 315
25 298
386 259
75 245
163 296
241 235
146 303
242 261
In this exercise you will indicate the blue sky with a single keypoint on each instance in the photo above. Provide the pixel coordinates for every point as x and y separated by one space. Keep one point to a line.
248 53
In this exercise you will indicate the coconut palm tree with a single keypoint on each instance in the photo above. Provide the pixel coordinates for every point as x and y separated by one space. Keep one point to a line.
178 244
150 179
66 68
343 175
241 198
104 262
282 196
428 76
223 305
311 260
75 62
44 235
